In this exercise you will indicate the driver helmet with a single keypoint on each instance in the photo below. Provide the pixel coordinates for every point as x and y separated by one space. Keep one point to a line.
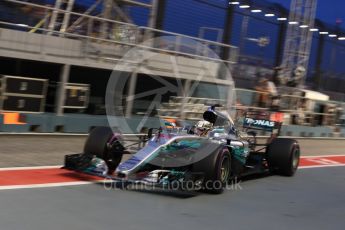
203 127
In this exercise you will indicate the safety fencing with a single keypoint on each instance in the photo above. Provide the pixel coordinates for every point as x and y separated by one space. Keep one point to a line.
95 42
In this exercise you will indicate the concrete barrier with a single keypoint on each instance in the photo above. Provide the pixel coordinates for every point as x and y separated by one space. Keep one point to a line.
342 132
306 131
12 127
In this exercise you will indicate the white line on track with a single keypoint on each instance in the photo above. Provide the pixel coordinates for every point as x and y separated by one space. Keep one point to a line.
31 167
9 187
320 156
320 166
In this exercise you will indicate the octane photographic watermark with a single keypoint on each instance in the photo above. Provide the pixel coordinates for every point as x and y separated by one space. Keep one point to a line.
168 77
172 71
111 184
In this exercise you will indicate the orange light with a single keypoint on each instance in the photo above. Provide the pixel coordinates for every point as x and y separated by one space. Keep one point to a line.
277 117
12 119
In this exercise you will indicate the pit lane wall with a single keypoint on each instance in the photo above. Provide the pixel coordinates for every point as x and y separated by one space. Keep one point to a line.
74 123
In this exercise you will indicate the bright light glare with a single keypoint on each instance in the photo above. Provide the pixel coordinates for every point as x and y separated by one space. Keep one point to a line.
303 26
256 11
22 25
269 15
293 23
281 19
314 29
323 32
234 3
332 36
341 38
244 6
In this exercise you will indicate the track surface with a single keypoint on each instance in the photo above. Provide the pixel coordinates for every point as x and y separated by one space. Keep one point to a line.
313 199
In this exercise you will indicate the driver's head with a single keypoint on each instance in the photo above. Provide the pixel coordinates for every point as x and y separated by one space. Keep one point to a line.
203 127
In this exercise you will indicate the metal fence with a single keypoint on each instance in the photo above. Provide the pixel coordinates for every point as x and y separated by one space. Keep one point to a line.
125 35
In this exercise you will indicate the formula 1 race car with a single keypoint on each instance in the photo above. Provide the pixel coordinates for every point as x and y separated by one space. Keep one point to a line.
205 156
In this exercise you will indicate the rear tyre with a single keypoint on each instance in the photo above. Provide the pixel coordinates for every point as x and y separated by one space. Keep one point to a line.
98 144
216 169
283 156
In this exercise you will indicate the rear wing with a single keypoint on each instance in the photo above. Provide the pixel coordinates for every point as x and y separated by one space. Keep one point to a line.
263 120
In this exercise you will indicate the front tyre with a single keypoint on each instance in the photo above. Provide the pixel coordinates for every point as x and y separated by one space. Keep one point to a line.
283 156
216 169
98 144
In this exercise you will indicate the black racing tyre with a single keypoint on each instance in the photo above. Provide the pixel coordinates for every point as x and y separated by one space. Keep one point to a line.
216 169
283 156
97 144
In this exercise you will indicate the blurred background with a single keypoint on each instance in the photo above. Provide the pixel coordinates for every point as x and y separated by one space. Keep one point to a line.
57 56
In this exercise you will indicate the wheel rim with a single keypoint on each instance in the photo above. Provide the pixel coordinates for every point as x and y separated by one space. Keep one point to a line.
224 170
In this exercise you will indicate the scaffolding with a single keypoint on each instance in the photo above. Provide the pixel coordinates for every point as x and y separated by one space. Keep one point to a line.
298 42
111 9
